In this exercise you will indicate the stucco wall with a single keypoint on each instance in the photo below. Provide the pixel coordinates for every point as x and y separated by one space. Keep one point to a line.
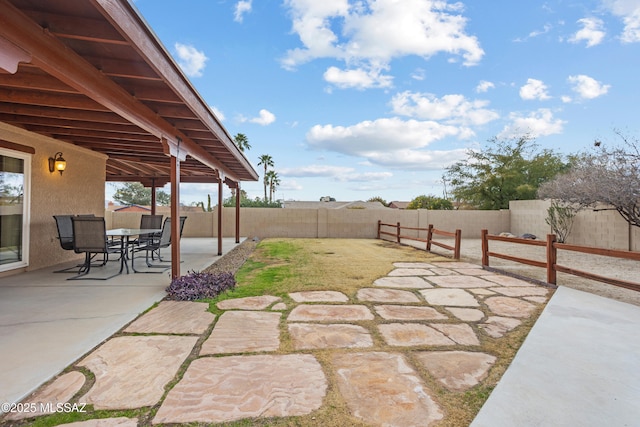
79 190
604 229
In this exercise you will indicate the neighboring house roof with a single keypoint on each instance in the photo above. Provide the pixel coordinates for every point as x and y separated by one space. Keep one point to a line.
333 205
399 205
92 73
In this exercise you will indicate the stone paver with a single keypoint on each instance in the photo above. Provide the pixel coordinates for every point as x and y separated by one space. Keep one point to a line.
456 264
319 296
44 401
450 297
459 281
411 272
383 390
497 326
408 312
521 291
510 307
461 333
466 314
379 388
413 265
408 282
222 389
174 317
412 334
244 331
132 371
457 370
105 422
508 281
313 336
248 303
329 313
386 295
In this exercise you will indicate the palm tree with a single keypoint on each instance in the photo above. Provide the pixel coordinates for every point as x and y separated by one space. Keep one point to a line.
274 181
242 142
267 161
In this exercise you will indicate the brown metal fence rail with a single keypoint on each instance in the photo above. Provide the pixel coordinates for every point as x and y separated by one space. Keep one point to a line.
431 231
551 264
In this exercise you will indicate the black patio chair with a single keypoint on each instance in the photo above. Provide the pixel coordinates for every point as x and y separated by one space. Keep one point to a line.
182 221
90 238
64 225
153 246
148 222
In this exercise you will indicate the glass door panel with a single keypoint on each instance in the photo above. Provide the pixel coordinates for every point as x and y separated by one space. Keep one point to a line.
13 209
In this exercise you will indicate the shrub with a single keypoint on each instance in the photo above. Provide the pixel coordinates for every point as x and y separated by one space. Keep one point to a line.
196 285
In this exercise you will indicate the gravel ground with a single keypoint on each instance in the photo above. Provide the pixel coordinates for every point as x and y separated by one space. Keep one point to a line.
233 260
471 250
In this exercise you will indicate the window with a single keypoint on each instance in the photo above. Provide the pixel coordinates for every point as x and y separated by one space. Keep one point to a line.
15 171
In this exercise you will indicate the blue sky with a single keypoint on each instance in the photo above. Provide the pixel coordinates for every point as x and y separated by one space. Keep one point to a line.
356 99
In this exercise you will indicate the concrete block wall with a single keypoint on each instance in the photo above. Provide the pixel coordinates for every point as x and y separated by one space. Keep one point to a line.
604 229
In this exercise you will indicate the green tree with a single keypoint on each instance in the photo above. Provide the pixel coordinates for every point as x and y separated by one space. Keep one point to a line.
273 181
430 202
506 170
134 193
242 142
267 161
606 179
378 199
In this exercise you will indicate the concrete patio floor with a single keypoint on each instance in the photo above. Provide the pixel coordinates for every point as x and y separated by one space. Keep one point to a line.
47 322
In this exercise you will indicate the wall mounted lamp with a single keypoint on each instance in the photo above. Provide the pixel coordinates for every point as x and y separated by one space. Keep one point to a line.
57 163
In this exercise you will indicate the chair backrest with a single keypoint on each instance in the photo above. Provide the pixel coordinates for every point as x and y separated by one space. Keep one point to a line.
165 236
65 231
151 221
89 234
182 220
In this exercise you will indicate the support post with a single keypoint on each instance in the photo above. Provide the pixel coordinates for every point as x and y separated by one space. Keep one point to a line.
220 188
456 250
552 257
485 248
398 232
429 237
175 217
379 222
238 196
153 196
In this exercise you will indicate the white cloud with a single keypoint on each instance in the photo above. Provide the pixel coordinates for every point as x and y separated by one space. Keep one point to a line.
242 7
357 78
537 123
368 36
629 11
452 109
388 142
265 118
337 173
534 89
484 86
191 60
219 114
587 87
591 32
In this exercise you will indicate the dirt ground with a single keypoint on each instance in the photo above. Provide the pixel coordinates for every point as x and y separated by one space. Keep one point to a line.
471 250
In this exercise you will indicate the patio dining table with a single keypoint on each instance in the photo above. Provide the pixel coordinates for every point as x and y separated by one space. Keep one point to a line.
126 234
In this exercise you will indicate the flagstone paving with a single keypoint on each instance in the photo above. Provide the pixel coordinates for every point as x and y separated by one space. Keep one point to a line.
441 311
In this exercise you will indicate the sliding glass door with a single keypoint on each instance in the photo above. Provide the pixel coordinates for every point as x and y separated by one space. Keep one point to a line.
14 209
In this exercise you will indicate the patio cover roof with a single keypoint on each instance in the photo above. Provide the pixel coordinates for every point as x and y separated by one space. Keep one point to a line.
92 73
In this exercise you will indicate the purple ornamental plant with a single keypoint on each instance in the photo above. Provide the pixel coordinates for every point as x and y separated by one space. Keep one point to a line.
196 285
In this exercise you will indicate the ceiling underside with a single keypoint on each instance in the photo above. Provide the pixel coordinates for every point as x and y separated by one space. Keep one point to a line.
137 107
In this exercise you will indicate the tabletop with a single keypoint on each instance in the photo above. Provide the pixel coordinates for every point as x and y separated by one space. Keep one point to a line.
132 231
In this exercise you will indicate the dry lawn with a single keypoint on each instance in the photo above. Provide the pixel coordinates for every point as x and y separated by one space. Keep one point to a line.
280 266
